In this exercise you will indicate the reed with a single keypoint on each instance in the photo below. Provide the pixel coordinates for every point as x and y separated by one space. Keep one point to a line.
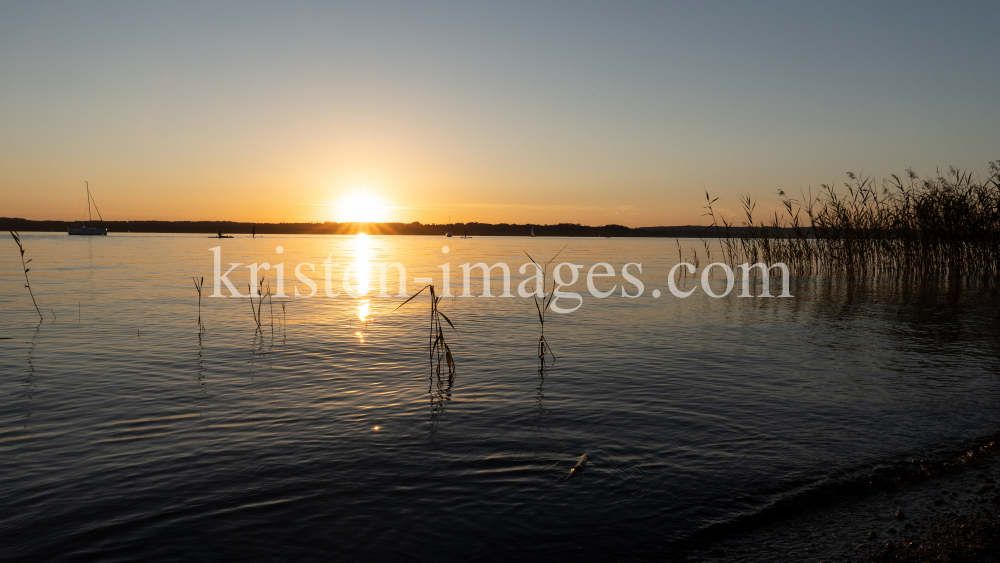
263 292
945 228
437 347
24 266
270 307
541 308
256 319
198 284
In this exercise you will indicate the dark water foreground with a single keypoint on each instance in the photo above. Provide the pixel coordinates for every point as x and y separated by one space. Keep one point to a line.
718 429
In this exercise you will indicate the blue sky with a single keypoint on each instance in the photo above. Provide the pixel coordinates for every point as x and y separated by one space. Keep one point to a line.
543 111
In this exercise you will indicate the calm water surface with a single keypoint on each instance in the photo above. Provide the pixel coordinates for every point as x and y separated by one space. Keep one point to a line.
126 434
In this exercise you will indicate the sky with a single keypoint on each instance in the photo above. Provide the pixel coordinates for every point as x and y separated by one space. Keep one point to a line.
541 112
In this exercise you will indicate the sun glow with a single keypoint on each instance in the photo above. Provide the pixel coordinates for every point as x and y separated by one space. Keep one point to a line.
361 207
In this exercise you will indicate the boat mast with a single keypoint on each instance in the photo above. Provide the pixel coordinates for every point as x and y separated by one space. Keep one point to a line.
97 209
89 218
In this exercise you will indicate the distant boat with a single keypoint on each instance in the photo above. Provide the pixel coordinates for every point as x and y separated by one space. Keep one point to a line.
89 230
448 235
532 231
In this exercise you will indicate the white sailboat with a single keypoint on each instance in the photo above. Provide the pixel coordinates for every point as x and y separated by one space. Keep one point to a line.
532 231
85 229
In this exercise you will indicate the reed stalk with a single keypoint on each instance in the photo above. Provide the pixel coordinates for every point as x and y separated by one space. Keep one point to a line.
24 266
270 307
543 344
437 347
198 284
263 292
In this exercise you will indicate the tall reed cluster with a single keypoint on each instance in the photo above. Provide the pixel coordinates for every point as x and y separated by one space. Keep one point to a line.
946 227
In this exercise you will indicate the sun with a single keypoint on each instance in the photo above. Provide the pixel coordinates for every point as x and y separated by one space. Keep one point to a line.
361 207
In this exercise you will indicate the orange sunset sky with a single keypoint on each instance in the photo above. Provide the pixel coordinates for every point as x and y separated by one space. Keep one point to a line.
547 112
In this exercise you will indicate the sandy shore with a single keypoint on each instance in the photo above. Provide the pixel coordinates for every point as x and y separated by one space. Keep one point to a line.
950 516
965 533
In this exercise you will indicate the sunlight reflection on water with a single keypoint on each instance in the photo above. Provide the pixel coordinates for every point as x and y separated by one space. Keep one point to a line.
362 265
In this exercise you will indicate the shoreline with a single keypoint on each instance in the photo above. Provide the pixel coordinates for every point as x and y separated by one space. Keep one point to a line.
433 229
952 515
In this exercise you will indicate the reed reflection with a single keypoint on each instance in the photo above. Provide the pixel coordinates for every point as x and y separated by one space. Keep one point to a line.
542 413
261 356
201 361
28 386
440 394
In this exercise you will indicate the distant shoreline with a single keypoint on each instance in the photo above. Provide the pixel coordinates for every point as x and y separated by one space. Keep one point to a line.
328 228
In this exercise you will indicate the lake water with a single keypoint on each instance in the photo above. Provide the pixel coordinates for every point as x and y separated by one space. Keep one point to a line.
127 433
